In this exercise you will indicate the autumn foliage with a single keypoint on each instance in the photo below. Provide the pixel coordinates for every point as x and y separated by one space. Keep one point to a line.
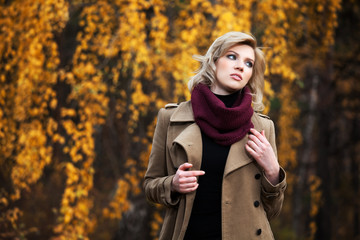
81 82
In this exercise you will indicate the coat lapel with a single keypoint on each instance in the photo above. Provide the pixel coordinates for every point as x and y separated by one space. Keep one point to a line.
190 140
238 156
190 137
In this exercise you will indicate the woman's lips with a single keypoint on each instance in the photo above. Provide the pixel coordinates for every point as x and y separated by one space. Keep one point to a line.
236 77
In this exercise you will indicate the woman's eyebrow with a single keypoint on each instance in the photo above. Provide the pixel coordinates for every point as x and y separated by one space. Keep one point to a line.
231 51
250 59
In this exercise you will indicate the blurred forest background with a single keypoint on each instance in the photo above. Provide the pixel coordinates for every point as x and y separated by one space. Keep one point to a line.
81 82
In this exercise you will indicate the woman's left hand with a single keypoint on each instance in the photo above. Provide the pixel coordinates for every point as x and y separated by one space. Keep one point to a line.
260 149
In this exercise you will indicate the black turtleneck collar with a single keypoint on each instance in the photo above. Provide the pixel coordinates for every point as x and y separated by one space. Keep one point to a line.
228 100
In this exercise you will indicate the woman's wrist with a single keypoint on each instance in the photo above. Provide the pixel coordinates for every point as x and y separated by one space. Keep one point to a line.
273 175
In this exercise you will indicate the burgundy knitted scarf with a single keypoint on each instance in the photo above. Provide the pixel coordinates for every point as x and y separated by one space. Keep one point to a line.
225 125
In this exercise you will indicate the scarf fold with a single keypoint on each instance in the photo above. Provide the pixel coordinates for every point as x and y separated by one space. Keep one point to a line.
225 125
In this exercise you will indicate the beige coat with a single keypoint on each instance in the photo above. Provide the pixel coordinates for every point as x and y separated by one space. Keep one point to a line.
177 139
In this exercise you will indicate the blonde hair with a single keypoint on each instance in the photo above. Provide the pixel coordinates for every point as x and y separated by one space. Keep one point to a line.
206 73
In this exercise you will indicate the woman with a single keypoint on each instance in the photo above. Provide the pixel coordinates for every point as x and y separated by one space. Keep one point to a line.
213 162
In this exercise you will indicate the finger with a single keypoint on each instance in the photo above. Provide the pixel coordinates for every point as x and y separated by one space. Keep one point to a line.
254 131
263 133
188 190
259 135
188 185
254 146
196 173
255 139
185 166
251 151
185 180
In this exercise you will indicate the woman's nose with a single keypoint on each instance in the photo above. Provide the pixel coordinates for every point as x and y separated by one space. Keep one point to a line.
238 65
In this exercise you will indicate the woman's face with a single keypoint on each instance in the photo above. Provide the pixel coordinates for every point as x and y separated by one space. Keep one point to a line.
233 70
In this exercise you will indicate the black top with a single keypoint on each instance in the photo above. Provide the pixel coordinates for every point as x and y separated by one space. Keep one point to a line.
228 100
205 220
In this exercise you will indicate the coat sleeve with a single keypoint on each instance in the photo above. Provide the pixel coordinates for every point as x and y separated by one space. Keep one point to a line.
157 183
273 195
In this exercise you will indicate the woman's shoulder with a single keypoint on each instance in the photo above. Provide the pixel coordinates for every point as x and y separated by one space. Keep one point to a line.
175 105
169 108
171 105
178 111
262 120
262 115
166 111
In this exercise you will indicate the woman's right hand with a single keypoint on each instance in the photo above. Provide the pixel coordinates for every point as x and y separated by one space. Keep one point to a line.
185 181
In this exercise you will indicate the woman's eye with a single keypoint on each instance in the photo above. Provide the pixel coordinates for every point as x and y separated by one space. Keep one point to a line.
231 57
249 64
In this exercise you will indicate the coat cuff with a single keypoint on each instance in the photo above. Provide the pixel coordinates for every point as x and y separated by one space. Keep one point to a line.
271 190
170 198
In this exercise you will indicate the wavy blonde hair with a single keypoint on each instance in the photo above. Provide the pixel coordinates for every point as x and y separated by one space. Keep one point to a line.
206 73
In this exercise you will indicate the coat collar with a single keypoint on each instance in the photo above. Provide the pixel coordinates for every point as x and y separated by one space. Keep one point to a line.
190 140
183 113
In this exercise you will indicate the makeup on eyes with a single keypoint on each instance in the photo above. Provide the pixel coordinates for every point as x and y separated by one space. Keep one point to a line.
234 56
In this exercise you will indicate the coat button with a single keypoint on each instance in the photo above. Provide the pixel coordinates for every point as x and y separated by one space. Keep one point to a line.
258 232
258 176
256 203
